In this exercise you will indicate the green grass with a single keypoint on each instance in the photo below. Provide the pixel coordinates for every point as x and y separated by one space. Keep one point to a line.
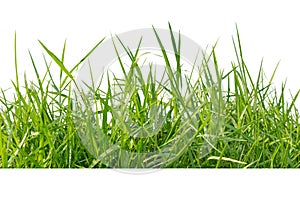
42 127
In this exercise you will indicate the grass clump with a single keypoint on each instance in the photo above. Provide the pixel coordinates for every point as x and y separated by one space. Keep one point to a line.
43 128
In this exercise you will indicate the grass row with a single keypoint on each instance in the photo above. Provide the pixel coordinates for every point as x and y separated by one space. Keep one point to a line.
41 126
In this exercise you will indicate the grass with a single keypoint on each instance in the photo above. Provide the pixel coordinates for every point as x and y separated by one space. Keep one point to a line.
42 127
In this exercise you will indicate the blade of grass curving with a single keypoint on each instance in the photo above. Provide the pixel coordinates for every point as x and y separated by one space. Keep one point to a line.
64 51
177 54
271 79
36 72
134 59
16 61
87 55
119 57
293 102
174 84
57 61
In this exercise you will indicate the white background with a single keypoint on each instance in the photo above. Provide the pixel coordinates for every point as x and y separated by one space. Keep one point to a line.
268 29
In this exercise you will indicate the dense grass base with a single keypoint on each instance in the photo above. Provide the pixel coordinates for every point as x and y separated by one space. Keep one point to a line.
260 129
